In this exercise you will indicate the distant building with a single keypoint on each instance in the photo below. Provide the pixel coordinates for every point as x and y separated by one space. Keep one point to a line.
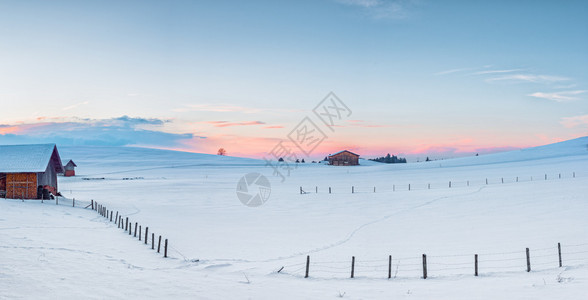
69 168
29 171
344 158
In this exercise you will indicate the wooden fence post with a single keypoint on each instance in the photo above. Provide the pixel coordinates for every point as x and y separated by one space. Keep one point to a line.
393 187
559 175
92 204
130 227
73 203
127 223
159 244
559 253
486 181
146 234
502 179
352 266
139 232
574 174
307 266
135 229
545 176
409 186
517 178
300 190
111 216
316 189
429 186
424 266
165 249
389 266
153 241
352 189
374 189
449 183
528 261
329 190
468 183
116 218
475 264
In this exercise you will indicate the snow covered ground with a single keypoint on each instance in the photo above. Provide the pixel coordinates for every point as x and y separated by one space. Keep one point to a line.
220 248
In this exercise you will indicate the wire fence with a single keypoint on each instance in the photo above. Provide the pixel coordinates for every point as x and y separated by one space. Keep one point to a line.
526 260
394 187
474 264
136 230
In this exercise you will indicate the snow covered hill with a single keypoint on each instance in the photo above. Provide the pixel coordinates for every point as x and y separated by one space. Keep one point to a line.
220 248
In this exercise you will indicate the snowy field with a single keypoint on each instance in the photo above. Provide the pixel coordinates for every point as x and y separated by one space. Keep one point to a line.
222 249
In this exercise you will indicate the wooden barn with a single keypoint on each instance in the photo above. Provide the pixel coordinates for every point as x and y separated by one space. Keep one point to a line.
29 171
69 168
344 158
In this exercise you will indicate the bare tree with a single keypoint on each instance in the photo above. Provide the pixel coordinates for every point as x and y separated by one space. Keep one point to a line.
222 152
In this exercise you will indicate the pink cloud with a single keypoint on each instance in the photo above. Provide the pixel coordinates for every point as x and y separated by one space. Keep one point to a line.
364 124
229 124
575 121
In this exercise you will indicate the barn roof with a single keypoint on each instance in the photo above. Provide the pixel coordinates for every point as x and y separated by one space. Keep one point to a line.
29 158
66 162
344 151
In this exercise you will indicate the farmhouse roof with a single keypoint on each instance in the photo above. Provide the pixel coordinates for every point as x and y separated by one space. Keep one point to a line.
28 158
344 151
66 161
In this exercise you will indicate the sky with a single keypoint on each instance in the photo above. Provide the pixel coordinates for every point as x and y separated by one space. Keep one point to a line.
416 78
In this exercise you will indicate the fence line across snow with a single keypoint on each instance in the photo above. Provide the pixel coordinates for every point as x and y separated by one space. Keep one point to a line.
426 266
354 189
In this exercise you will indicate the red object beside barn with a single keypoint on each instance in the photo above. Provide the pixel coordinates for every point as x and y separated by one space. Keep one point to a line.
69 168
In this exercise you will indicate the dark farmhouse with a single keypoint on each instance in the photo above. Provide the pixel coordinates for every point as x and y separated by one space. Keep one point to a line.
344 158
69 168
29 171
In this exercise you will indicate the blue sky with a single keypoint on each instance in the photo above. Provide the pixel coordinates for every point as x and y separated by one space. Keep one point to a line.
439 78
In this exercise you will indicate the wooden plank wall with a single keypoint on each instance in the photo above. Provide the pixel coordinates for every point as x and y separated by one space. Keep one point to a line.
21 185
2 182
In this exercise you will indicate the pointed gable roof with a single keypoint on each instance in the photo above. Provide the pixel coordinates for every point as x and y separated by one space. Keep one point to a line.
342 152
67 161
29 158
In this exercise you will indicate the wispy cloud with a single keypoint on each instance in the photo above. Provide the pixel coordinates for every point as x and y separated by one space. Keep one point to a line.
75 105
273 127
217 108
559 96
495 72
575 121
230 124
451 71
364 124
382 9
518 78
568 86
